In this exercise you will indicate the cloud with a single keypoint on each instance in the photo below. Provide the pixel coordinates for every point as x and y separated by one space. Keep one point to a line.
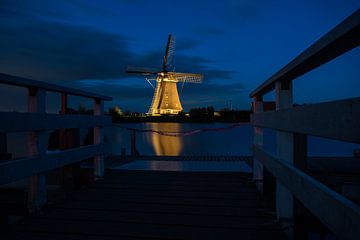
56 52
53 51
36 43
116 88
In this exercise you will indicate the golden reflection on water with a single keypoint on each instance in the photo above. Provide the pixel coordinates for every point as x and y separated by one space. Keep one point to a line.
164 145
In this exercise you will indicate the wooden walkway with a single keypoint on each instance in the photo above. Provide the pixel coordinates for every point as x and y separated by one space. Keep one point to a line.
156 205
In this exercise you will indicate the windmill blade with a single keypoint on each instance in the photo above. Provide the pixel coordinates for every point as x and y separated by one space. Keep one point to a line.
169 53
187 77
142 71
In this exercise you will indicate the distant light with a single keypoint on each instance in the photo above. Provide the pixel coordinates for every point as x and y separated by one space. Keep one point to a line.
118 111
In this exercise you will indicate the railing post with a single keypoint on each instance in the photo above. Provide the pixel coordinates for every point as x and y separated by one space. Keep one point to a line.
63 171
258 168
98 139
37 145
285 152
68 138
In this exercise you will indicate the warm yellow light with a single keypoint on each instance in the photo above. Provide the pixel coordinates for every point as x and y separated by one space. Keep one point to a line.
117 110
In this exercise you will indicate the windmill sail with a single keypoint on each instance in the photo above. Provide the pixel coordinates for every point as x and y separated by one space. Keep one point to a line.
187 77
169 54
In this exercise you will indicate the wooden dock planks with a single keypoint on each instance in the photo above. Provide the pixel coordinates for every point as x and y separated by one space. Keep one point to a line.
155 205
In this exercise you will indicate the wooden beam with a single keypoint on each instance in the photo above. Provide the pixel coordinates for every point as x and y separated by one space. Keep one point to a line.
336 120
25 82
344 37
338 213
13 170
22 122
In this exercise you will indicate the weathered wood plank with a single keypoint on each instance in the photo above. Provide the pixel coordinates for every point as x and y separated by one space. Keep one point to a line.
158 218
22 122
20 168
25 82
336 120
158 213
248 194
338 213
144 230
153 200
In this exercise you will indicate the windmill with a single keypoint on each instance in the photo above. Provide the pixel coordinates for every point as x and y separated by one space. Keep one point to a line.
166 97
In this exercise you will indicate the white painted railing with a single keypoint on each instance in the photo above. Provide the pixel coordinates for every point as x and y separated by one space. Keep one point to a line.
335 120
36 122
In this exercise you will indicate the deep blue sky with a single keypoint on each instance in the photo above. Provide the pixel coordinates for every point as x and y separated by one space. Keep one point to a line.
236 44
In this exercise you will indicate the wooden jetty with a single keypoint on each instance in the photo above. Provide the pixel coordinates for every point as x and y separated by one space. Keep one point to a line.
157 205
285 193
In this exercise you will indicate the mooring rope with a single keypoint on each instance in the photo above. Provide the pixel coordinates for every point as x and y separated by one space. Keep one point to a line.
182 133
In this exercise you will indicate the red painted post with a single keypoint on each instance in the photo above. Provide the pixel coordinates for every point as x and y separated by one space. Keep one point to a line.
37 145
64 103
98 139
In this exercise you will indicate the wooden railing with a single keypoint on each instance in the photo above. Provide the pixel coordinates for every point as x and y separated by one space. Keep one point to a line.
36 122
338 120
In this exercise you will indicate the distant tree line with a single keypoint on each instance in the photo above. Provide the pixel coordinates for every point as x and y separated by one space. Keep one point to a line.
227 115
204 113
224 115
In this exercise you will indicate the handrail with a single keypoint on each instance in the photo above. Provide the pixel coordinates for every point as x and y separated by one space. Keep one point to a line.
13 170
37 123
25 82
293 124
344 37
301 185
333 120
14 121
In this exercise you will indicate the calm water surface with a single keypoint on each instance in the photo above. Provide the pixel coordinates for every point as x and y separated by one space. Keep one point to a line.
236 141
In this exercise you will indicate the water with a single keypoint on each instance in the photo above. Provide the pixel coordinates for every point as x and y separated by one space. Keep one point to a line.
236 141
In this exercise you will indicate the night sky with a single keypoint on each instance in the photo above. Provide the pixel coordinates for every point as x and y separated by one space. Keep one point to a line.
236 44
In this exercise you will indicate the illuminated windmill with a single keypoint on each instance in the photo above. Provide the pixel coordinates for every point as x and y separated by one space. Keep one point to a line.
166 97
